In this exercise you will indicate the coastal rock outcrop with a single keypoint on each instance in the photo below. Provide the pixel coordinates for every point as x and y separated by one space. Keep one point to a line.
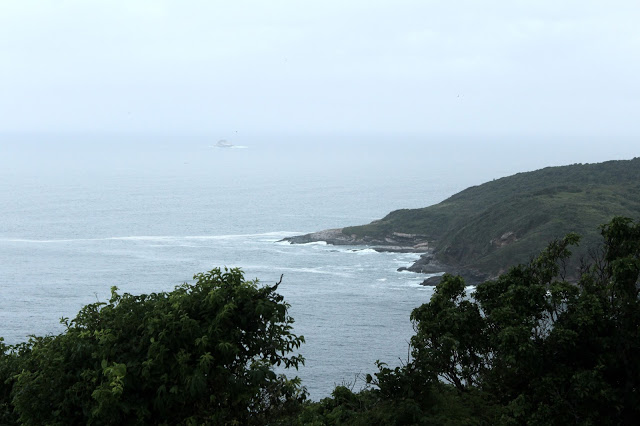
398 243
428 264
395 242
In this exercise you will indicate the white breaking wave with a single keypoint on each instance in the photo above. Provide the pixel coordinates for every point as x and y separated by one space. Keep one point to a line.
406 271
140 238
276 236
365 251
355 251
31 241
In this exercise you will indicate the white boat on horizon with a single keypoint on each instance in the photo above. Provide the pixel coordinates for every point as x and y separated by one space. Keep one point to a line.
223 143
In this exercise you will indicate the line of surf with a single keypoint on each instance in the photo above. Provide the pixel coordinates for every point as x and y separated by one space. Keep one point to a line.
274 235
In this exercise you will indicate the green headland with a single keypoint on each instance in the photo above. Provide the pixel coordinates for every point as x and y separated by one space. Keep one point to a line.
483 230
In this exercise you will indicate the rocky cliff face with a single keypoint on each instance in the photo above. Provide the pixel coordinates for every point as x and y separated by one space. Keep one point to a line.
394 242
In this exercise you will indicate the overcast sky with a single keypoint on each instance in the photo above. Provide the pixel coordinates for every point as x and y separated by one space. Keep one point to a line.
422 67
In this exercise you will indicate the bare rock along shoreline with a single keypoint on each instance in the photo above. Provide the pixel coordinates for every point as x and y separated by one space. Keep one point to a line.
395 242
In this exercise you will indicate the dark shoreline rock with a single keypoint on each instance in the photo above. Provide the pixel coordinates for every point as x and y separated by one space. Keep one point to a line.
470 278
428 264
395 243
330 236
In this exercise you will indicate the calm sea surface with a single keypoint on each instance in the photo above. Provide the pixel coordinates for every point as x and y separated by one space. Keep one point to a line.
77 220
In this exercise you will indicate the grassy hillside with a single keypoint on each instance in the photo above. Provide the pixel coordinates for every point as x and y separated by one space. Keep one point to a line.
501 223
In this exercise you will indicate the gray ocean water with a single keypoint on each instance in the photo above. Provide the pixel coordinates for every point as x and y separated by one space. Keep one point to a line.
80 215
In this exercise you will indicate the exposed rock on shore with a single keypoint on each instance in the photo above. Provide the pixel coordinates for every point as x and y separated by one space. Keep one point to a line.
428 264
395 242
398 243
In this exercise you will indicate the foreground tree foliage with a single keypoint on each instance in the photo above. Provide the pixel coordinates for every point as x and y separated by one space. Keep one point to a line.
201 354
526 348
529 347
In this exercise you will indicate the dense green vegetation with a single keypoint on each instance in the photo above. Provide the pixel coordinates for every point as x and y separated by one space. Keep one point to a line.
501 223
529 347
526 348
201 354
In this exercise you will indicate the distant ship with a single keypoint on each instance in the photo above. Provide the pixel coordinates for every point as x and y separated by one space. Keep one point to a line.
223 143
